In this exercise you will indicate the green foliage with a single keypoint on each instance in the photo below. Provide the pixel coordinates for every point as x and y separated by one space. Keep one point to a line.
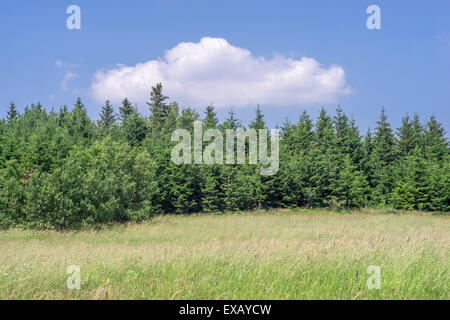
126 109
135 129
61 170
107 116
158 107
12 112
106 182
211 120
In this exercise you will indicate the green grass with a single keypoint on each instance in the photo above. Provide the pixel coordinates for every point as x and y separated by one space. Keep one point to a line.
304 254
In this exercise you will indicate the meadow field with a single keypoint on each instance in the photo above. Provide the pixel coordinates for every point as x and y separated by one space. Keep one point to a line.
283 254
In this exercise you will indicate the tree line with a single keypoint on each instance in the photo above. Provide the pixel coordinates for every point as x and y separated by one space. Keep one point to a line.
60 169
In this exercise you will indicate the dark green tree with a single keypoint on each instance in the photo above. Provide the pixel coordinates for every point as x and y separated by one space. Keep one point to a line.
259 122
126 109
107 115
210 121
384 154
12 113
436 144
231 122
158 107
80 126
135 129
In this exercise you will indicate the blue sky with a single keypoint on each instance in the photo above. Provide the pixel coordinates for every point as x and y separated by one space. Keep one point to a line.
405 66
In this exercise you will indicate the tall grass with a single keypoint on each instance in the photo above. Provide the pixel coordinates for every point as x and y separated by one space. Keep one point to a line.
281 255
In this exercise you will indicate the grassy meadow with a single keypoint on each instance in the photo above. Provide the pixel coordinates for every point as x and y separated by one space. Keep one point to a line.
299 254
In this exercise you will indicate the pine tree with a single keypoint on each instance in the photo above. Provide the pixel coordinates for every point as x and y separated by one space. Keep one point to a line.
79 106
281 188
258 123
324 155
261 183
107 115
288 138
211 188
349 186
342 127
418 134
347 182
211 120
172 117
229 185
305 133
135 129
79 126
367 158
231 122
384 140
410 136
383 156
302 164
12 113
436 144
63 115
158 108
187 118
355 145
348 139
439 181
126 109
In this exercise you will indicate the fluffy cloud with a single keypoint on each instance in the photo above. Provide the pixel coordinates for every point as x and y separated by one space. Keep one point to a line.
214 71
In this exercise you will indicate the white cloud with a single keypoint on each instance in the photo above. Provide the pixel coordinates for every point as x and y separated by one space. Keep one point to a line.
212 70
67 77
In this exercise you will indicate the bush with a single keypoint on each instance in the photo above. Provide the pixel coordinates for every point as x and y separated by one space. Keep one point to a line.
107 182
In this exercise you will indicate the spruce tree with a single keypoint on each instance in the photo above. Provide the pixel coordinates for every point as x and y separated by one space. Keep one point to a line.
258 123
135 129
436 144
418 134
62 116
229 185
231 122
126 109
324 155
187 118
79 106
107 115
158 108
302 165
355 144
342 127
12 113
211 188
172 117
305 133
211 120
288 138
383 156
79 126
409 136
367 158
